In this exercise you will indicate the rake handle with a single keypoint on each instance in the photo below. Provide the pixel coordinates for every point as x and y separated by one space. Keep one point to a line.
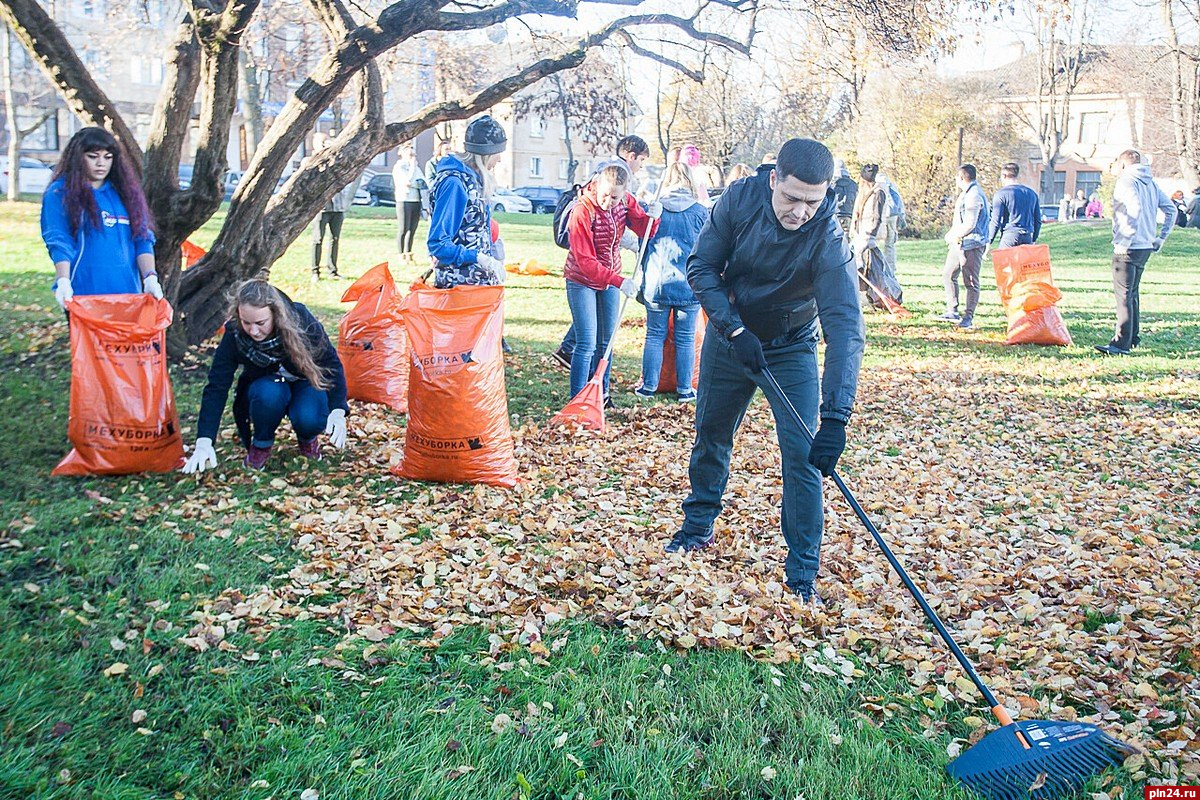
1001 714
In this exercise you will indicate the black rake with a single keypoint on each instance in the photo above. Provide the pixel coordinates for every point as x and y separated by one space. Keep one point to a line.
1032 759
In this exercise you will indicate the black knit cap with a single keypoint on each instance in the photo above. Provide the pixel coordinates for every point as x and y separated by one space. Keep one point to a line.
869 171
485 137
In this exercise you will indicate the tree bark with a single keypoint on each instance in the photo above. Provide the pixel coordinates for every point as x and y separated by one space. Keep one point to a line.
251 104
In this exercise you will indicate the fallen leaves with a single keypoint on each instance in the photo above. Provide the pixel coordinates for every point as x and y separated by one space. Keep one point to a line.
116 668
1053 526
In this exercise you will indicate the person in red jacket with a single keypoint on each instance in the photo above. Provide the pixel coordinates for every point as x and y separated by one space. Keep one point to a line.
593 268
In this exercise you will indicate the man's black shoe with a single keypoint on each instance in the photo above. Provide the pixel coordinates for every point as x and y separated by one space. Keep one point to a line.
806 591
562 358
686 542
1111 350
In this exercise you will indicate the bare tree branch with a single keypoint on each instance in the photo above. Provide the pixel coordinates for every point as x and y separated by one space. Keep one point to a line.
57 58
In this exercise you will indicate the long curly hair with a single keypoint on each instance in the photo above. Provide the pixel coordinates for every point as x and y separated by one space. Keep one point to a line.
260 294
78 198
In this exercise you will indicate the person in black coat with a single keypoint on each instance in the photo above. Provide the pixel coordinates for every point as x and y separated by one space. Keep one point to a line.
289 368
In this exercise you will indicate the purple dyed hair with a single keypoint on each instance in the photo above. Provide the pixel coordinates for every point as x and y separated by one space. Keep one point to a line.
78 199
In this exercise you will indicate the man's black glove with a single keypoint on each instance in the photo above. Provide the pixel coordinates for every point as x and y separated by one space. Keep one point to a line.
827 445
748 350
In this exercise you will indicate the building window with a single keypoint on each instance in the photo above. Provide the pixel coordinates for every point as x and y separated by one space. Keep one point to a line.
537 127
563 166
45 137
146 71
1060 187
535 167
87 8
1093 127
1087 181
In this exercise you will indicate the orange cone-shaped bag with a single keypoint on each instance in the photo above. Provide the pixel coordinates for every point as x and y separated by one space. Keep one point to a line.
1028 294
667 378
458 428
122 417
372 343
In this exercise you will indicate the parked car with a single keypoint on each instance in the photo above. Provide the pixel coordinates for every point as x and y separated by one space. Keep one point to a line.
1049 213
185 176
505 200
381 189
541 198
361 197
35 176
232 179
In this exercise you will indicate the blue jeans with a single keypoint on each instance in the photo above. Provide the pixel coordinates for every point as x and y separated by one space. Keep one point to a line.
685 346
1012 237
594 317
273 397
726 389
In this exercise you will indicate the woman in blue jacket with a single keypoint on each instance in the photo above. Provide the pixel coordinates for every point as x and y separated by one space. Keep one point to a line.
665 291
460 232
95 222
289 368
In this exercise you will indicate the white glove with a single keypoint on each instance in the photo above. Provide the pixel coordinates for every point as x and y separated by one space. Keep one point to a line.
629 288
491 264
498 250
151 286
1158 243
63 291
335 429
654 210
203 456
869 242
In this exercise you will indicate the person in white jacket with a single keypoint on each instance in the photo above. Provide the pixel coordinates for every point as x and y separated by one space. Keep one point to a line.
1137 202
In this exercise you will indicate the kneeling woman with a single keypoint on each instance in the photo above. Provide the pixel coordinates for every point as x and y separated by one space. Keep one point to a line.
289 367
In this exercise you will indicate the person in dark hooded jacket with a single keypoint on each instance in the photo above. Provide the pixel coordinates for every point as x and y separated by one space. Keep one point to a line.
770 262
288 368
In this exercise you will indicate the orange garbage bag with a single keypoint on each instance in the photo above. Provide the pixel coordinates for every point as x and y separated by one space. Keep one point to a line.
458 427
372 343
122 415
1028 294
666 378
192 253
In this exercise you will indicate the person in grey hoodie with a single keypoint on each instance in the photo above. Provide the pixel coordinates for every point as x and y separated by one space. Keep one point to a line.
966 239
1137 202
769 262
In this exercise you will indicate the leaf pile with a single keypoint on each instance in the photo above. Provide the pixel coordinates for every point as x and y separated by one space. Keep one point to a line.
1053 523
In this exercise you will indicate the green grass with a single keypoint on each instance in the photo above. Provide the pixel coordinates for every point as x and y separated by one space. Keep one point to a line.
86 563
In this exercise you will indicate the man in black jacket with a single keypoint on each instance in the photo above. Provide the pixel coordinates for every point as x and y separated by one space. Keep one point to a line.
768 264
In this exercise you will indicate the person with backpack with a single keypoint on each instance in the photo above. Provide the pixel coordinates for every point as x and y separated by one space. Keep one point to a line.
664 288
634 151
288 368
593 267
460 230
95 222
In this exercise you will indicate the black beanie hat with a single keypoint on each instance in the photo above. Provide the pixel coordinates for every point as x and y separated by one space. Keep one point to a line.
869 171
485 137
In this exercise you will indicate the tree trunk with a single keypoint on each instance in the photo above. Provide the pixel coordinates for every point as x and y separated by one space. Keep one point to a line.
251 105
10 118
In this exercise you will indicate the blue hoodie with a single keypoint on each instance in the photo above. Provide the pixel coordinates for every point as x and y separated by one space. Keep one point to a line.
103 260
460 225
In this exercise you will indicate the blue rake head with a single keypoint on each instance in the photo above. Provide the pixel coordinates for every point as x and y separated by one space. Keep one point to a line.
1059 760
